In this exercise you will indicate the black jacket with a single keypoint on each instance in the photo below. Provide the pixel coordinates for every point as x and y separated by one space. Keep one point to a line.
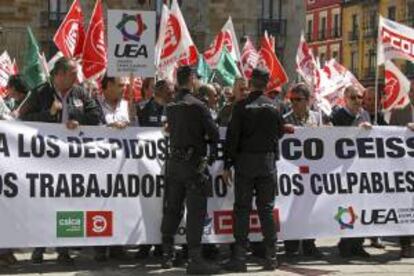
255 127
81 107
151 114
190 124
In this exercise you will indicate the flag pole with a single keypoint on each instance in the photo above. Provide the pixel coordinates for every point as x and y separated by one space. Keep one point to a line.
377 73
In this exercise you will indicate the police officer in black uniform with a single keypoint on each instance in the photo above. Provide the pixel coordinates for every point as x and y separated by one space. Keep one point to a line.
251 147
191 128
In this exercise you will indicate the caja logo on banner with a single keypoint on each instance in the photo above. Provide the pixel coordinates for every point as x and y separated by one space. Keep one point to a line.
99 224
71 224
346 217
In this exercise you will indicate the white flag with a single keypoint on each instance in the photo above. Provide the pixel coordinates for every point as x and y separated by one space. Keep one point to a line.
176 45
395 40
226 37
396 87
306 64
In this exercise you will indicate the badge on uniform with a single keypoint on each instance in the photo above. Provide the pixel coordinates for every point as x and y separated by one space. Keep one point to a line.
78 103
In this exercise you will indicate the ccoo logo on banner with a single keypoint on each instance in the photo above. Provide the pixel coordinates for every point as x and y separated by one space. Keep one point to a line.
131 43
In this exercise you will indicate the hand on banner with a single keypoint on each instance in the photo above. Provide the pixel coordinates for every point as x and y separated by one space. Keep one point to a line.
56 107
411 126
365 125
288 128
228 177
72 124
118 125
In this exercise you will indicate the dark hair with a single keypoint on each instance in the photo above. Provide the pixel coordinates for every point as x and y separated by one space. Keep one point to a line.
106 80
160 85
259 84
18 83
184 74
301 88
61 65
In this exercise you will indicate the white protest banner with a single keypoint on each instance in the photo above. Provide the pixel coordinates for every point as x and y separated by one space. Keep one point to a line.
102 186
395 41
131 43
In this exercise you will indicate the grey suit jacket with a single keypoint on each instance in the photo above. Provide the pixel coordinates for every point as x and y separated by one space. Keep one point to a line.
401 117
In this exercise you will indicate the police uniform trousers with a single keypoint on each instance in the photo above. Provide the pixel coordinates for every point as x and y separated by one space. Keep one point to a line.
255 176
184 184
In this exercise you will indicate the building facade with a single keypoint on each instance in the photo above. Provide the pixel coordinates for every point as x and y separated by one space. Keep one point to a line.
360 29
205 18
323 28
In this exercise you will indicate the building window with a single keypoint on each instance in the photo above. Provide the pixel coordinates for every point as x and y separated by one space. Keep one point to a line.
309 30
354 23
391 13
57 10
270 9
335 55
372 62
336 25
410 14
322 28
354 60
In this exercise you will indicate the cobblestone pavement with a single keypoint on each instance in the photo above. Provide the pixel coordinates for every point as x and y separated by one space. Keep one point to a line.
382 262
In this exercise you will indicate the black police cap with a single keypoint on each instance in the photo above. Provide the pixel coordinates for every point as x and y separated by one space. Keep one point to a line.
260 74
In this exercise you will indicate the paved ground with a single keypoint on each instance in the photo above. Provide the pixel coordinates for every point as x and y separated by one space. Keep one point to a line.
382 262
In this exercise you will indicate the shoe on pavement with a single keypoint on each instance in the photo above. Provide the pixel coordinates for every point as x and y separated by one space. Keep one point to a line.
65 259
313 252
235 265
360 252
37 257
406 252
201 267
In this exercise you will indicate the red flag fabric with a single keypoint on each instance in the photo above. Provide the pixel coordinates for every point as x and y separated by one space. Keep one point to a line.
94 60
278 76
249 58
70 36
226 37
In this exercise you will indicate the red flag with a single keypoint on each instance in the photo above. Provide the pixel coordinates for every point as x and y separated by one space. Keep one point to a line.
278 76
94 50
226 37
249 58
70 36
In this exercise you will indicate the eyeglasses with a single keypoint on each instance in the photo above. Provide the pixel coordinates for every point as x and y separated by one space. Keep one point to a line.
355 97
297 99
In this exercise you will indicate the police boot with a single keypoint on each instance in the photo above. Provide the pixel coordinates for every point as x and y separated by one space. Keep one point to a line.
270 262
167 256
237 263
197 265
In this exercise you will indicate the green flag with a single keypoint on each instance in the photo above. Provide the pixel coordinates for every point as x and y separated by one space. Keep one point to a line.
32 69
203 69
227 68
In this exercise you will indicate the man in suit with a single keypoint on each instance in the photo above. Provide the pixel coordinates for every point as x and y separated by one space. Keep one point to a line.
405 117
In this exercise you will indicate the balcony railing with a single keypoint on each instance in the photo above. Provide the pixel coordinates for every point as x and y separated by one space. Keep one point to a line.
309 37
353 35
332 34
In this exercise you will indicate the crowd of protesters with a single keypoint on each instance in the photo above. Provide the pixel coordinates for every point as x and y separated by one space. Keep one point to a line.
62 100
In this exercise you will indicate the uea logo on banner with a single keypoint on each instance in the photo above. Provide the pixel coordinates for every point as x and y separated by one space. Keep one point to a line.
140 27
131 50
131 43
346 217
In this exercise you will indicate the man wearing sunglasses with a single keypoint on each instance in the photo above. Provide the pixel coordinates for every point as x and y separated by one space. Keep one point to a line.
352 114
300 115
